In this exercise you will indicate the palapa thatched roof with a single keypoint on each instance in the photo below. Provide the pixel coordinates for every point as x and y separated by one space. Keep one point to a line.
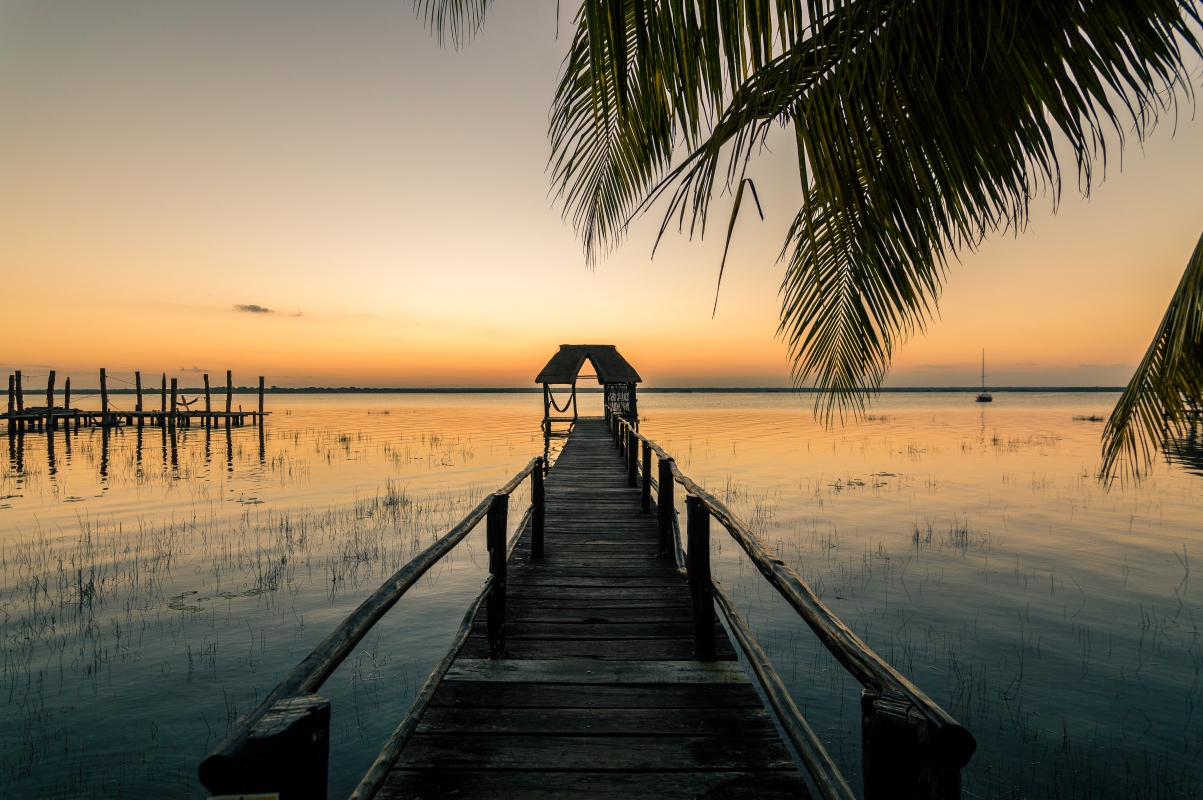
607 363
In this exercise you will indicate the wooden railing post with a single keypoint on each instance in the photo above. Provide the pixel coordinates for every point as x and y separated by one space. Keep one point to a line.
898 752
645 495
665 510
260 417
495 531
632 458
698 526
287 754
538 500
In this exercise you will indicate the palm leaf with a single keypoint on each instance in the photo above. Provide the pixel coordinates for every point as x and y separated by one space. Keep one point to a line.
1169 381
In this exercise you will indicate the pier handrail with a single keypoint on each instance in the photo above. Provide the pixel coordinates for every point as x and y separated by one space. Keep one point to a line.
309 675
955 745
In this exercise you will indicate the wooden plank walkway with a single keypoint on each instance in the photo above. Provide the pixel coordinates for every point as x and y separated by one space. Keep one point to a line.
599 694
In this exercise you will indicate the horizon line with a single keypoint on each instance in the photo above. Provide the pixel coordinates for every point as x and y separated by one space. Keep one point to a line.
217 391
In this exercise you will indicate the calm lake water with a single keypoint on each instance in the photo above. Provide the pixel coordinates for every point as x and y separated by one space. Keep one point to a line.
154 589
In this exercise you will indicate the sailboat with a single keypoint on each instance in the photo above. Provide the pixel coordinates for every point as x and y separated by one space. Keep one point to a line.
984 397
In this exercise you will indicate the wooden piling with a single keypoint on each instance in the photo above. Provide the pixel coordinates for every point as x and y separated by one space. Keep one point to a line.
67 399
208 407
174 387
229 391
20 394
104 399
50 402
138 386
12 403
698 527
163 401
260 399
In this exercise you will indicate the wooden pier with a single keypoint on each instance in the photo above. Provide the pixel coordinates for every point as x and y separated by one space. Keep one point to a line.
21 418
596 691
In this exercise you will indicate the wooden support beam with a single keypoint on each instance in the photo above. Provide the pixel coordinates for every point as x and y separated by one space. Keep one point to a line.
163 401
174 388
67 399
229 391
699 578
260 399
20 394
208 405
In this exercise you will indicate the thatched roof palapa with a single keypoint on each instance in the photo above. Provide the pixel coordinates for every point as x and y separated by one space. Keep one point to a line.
609 365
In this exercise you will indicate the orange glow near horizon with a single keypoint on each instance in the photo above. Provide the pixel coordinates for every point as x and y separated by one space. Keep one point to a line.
387 201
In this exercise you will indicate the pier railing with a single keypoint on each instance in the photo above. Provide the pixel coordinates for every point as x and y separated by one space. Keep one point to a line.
911 747
283 744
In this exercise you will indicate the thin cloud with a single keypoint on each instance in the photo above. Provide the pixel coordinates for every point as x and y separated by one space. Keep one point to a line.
252 308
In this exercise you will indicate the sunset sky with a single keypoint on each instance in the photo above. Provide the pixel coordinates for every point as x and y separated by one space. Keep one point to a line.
163 164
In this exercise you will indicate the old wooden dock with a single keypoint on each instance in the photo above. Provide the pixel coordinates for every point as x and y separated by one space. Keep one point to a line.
598 692
592 662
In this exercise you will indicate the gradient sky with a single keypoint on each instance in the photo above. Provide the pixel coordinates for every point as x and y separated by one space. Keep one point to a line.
162 163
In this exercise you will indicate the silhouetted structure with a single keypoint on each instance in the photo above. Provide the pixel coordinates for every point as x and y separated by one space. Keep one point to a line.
617 377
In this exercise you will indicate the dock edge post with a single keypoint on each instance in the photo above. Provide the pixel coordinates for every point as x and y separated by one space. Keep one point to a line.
632 458
539 500
898 752
495 536
645 493
665 509
698 532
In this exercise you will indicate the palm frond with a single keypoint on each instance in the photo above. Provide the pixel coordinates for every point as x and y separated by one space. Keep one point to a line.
923 127
458 19
1168 382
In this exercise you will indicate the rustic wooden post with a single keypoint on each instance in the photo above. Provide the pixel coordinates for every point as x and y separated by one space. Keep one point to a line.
495 531
574 415
632 410
67 394
260 399
229 391
699 578
163 401
104 399
50 402
208 406
12 403
645 495
546 406
287 754
665 510
538 500
632 458
174 386
20 394
900 759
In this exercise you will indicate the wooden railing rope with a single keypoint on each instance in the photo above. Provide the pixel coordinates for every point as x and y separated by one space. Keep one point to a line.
223 768
953 745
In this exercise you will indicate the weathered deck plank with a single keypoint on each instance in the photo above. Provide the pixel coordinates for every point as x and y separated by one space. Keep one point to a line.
600 695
